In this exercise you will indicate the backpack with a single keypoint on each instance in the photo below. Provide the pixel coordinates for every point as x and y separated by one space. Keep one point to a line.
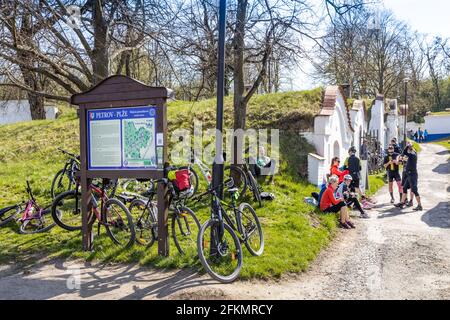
180 179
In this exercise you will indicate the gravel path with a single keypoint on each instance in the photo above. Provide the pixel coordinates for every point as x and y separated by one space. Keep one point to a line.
394 255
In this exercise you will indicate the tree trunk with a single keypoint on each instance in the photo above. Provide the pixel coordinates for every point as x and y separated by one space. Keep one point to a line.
100 59
240 106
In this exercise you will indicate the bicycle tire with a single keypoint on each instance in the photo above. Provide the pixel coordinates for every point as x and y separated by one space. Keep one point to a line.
57 179
140 239
132 236
23 230
176 223
10 213
243 177
194 182
243 230
57 204
255 189
235 274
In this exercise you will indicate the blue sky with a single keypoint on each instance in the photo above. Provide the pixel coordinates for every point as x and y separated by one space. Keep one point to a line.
430 17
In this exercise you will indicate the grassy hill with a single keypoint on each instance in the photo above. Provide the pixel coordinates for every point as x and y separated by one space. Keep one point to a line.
294 232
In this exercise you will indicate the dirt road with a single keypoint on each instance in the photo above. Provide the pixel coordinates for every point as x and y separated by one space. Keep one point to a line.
394 255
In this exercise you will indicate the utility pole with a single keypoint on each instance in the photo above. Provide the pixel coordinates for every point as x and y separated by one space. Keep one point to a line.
406 111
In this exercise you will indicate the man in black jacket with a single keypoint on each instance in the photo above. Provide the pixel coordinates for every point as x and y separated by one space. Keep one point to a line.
353 165
412 177
392 170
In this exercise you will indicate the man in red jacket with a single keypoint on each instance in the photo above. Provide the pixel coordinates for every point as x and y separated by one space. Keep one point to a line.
329 204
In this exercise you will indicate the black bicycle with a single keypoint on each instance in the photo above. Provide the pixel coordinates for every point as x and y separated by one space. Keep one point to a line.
219 240
244 177
184 223
64 179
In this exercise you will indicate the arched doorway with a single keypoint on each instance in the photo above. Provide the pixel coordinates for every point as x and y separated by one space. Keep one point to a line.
336 149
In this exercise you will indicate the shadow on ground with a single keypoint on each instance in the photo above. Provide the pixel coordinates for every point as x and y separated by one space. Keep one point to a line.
439 216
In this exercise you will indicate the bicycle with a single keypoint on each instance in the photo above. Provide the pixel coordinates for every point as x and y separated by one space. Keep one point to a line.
65 178
246 175
219 241
33 217
112 213
184 223
230 171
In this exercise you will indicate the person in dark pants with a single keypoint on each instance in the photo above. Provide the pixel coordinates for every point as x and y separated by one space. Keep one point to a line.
411 179
392 170
329 204
353 165
343 192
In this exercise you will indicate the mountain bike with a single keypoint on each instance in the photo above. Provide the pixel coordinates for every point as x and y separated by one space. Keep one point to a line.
184 223
219 241
233 171
111 213
64 179
34 218
245 174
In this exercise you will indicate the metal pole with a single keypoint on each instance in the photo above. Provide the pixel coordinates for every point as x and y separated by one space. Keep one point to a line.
219 160
406 114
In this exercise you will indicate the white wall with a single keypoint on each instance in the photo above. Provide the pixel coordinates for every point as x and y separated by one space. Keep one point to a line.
377 122
437 124
13 111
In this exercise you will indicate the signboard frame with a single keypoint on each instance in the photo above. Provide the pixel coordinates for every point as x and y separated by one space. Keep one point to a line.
116 93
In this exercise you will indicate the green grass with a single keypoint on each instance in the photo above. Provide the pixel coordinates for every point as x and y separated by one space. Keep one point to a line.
416 145
294 231
444 143
375 183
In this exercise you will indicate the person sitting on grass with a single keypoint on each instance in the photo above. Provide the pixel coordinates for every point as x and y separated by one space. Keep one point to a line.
329 204
334 169
344 192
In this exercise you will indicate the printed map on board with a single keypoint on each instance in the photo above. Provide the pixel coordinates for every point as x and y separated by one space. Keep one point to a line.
138 142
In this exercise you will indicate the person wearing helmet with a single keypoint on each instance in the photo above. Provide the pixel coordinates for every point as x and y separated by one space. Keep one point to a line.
353 165
391 165
412 178
344 193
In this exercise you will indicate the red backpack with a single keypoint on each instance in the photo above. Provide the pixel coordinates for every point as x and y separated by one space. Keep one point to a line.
182 179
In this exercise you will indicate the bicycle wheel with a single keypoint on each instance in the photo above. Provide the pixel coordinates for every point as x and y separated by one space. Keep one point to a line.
37 225
223 262
250 228
185 229
239 177
193 178
61 183
118 223
254 187
68 204
8 214
145 222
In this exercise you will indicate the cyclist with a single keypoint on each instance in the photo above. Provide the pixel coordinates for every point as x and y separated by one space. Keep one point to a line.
412 178
344 192
353 165
397 148
329 204
391 165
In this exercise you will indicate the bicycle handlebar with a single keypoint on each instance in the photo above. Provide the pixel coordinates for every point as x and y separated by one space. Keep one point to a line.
69 154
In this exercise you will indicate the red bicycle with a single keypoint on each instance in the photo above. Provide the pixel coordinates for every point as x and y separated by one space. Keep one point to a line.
111 213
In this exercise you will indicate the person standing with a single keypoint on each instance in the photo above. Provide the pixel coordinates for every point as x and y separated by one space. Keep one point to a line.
411 179
397 148
353 165
392 169
425 135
